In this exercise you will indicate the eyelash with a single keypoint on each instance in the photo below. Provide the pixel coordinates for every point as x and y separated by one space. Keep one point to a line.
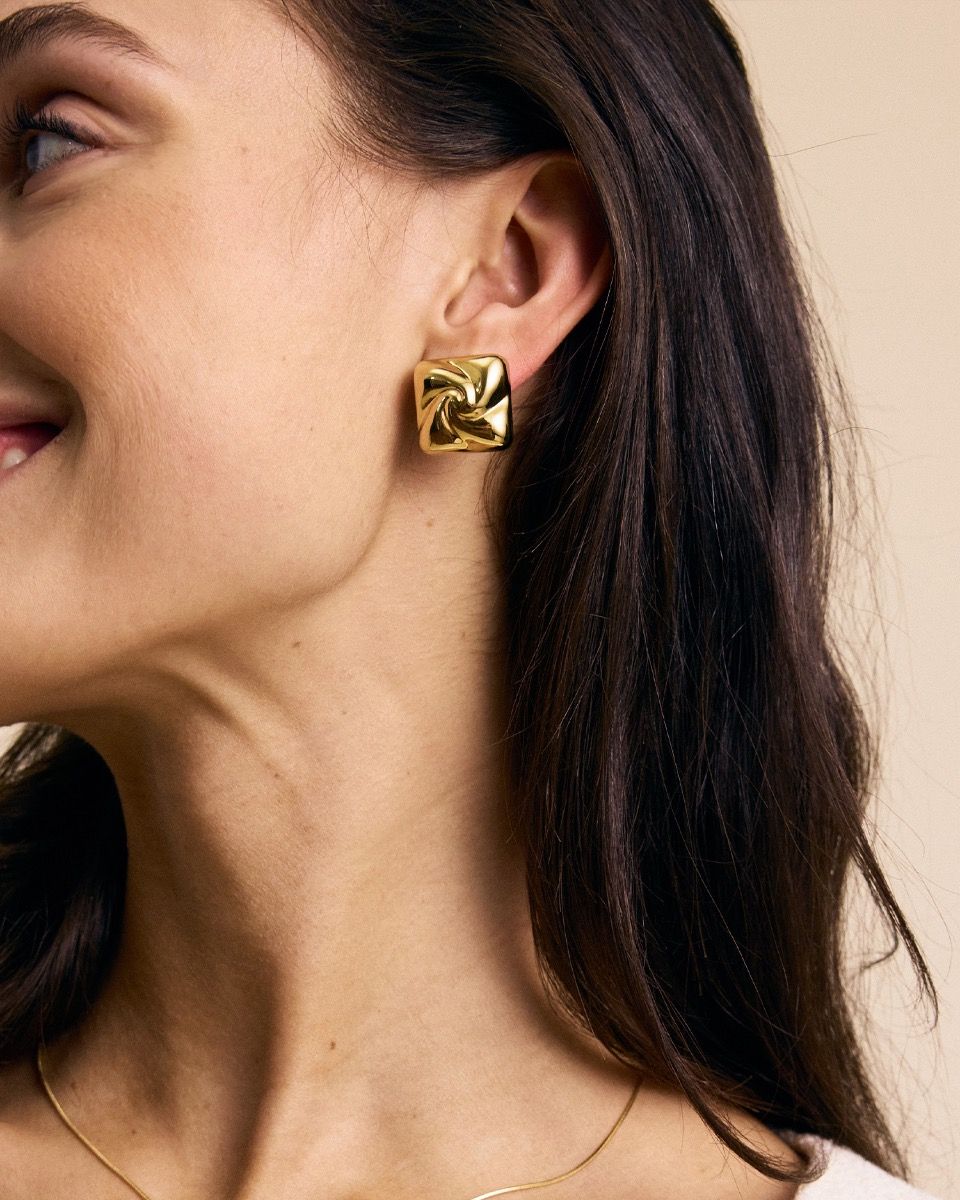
23 121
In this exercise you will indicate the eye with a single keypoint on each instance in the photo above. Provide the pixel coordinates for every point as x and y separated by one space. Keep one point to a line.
26 152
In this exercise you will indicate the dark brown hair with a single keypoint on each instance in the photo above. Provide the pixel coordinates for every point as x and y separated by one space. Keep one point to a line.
691 763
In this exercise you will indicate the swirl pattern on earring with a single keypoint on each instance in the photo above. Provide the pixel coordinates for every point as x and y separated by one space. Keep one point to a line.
463 403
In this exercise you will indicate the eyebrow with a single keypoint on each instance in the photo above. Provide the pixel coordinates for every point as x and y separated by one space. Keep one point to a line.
31 29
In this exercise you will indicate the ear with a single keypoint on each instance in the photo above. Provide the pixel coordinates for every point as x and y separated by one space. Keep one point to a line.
536 258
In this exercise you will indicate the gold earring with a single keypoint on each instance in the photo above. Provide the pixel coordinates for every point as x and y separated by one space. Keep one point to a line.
463 404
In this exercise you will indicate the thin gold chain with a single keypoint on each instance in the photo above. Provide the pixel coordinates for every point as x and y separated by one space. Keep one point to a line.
517 1187
70 1125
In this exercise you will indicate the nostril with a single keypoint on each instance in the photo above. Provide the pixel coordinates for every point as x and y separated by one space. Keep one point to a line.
19 442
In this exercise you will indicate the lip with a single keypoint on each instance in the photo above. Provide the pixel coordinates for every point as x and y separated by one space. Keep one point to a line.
17 410
47 415
7 472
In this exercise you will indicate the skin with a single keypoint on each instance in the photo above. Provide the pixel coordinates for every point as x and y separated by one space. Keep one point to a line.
237 575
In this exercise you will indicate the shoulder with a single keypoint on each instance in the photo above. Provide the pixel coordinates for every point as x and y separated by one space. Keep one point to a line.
844 1174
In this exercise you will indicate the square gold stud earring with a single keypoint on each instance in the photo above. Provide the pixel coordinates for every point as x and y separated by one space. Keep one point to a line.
463 404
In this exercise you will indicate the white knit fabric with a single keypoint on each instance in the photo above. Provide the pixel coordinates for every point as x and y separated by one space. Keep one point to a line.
845 1175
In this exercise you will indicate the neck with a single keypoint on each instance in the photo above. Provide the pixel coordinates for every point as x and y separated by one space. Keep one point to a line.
327 940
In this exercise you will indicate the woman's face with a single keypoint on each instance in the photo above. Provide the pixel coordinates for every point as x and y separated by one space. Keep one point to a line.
224 317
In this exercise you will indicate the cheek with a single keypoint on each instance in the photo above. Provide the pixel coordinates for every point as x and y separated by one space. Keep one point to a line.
239 415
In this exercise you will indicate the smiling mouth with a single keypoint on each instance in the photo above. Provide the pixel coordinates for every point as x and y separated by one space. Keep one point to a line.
20 442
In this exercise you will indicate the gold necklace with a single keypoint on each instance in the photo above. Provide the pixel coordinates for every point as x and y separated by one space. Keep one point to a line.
518 1187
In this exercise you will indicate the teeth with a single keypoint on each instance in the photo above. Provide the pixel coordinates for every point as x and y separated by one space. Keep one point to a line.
13 457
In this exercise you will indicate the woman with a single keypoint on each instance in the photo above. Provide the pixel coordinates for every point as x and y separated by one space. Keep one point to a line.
438 779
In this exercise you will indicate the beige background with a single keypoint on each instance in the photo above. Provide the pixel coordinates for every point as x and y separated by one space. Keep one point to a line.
861 105
861 108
